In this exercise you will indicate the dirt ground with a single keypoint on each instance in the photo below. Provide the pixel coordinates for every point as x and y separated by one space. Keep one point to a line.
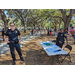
35 55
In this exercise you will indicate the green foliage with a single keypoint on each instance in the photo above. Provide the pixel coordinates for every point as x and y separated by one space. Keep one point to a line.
36 17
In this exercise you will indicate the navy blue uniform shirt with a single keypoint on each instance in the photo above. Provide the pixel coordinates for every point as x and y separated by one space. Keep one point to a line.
61 36
13 35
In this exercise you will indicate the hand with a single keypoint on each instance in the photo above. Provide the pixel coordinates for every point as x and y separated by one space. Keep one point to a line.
8 41
19 41
67 43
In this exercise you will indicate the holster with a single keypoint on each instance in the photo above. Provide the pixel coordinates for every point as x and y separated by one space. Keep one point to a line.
13 42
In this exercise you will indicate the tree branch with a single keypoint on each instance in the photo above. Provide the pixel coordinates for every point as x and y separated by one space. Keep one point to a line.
58 17
22 14
70 16
3 15
71 11
63 14
19 14
27 12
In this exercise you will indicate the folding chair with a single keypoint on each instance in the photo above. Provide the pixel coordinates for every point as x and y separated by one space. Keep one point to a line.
69 48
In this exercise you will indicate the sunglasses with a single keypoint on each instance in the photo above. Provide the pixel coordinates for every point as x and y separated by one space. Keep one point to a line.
11 25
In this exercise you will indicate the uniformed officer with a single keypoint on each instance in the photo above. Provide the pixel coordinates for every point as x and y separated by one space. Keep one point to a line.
60 38
13 41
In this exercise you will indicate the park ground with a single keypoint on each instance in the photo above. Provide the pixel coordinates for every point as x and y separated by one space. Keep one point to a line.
35 55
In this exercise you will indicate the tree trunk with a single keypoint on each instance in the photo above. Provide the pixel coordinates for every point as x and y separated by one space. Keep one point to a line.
5 25
34 26
25 28
59 26
67 19
55 25
25 25
3 16
67 22
60 23
65 26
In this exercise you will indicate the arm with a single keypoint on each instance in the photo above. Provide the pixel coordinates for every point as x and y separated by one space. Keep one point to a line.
20 38
57 36
6 34
6 39
67 40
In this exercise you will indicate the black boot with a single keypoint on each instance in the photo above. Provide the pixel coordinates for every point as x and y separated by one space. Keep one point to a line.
14 62
22 58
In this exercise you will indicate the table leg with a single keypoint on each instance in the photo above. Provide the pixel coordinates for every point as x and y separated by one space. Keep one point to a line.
52 60
57 60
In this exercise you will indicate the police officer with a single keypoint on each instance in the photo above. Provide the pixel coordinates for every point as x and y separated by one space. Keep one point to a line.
60 38
13 41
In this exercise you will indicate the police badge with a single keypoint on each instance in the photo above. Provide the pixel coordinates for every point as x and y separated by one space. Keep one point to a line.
16 31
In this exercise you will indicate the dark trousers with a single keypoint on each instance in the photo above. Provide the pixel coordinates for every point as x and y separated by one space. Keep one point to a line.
17 46
59 44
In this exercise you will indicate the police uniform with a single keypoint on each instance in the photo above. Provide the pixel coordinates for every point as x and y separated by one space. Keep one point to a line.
60 39
13 38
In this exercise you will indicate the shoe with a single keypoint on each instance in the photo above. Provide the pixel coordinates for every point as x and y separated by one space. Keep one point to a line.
22 59
14 62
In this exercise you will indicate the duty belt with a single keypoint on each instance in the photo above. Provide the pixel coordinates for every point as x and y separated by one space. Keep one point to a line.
13 42
60 41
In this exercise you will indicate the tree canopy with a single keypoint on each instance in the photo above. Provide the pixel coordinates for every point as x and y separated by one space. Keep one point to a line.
46 18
